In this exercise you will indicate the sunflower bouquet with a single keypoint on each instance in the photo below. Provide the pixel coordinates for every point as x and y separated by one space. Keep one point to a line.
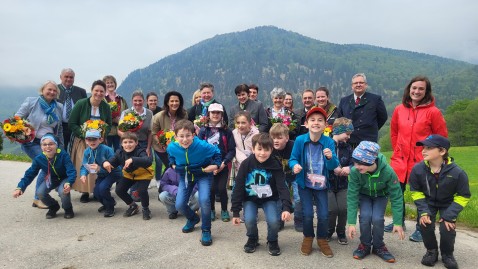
18 130
115 112
94 124
165 137
131 122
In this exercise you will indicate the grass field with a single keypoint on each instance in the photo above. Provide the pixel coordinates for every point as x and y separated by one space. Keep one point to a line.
465 157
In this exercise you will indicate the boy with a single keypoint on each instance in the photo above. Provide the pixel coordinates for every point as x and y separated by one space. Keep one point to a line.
260 182
93 158
338 179
438 185
60 175
194 160
371 182
137 169
279 133
316 153
169 185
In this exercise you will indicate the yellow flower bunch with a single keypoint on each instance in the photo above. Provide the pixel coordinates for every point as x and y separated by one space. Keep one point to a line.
94 124
18 130
131 122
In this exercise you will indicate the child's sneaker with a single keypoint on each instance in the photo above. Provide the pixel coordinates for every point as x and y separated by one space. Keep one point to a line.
251 245
430 258
173 215
52 211
109 213
101 209
146 214
225 216
384 254
189 227
206 238
69 214
274 249
416 236
342 239
213 215
388 228
132 210
449 261
361 252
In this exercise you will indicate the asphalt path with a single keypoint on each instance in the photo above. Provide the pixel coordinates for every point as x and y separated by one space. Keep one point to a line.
28 240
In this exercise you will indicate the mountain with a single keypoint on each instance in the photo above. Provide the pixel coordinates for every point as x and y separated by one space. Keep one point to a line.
272 57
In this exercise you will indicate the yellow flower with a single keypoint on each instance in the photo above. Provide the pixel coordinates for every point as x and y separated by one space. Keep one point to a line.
7 127
13 129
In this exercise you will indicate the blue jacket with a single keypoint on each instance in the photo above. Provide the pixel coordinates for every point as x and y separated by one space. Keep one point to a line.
190 161
62 168
367 117
298 156
99 155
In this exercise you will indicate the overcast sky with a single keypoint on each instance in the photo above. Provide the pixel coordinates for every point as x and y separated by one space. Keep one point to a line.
98 37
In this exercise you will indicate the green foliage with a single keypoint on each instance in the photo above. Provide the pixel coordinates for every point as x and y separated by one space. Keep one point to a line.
462 123
14 157
385 141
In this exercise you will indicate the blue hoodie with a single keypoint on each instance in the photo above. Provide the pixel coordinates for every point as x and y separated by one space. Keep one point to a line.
99 155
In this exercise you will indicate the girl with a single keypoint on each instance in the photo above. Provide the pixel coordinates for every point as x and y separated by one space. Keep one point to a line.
217 133
243 137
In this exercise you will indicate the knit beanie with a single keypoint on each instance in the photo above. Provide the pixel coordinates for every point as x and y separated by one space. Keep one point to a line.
366 153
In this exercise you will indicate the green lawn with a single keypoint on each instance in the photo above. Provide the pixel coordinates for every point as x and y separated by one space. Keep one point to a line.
465 157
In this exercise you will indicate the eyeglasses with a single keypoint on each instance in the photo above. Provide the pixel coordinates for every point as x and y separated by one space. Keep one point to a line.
48 144
359 83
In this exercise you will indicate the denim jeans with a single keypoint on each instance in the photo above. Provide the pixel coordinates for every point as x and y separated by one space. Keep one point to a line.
298 216
102 190
33 149
204 190
337 212
159 166
307 197
270 212
372 221
169 201
44 195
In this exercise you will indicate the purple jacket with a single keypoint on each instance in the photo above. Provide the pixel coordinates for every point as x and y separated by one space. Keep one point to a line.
170 182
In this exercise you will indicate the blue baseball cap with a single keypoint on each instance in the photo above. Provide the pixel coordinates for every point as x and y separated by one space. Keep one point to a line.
435 140
93 133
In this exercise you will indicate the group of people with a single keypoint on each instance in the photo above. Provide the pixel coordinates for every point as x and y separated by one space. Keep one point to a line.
327 156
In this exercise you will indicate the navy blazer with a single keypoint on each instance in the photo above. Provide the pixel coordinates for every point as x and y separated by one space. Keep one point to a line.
367 117
77 93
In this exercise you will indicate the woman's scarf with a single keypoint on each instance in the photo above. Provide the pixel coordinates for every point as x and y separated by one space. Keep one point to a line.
49 110
205 106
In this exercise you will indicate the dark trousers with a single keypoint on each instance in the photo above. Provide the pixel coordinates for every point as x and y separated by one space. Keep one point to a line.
219 186
66 135
123 186
447 238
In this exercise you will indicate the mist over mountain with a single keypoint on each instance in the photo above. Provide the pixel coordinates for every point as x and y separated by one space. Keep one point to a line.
271 57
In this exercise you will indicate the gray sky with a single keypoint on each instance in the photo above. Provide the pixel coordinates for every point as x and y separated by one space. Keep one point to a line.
99 37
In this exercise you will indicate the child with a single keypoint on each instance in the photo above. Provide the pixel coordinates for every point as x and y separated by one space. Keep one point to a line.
371 182
338 179
60 175
279 133
137 169
316 152
260 182
93 158
243 134
169 185
438 185
194 160
216 133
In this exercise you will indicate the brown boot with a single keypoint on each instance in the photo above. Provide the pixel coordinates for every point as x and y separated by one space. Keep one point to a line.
39 204
306 248
325 248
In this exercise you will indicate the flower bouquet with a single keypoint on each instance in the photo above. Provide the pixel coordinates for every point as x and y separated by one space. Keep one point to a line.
328 131
115 112
18 130
165 137
131 122
201 121
94 124
285 119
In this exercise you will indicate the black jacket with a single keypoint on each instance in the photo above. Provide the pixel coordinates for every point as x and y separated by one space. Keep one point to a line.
344 153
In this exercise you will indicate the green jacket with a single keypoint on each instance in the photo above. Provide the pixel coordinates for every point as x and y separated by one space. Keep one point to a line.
82 112
384 182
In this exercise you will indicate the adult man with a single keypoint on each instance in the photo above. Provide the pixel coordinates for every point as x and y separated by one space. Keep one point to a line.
366 110
308 102
69 95
207 98
256 109
253 92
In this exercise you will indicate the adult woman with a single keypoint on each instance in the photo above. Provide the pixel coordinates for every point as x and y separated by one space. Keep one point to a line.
196 98
289 101
152 102
413 120
90 108
278 110
322 100
44 114
173 111
144 133
111 96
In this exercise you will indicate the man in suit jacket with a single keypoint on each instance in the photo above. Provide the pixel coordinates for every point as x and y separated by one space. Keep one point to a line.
69 93
207 98
308 97
366 110
255 108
